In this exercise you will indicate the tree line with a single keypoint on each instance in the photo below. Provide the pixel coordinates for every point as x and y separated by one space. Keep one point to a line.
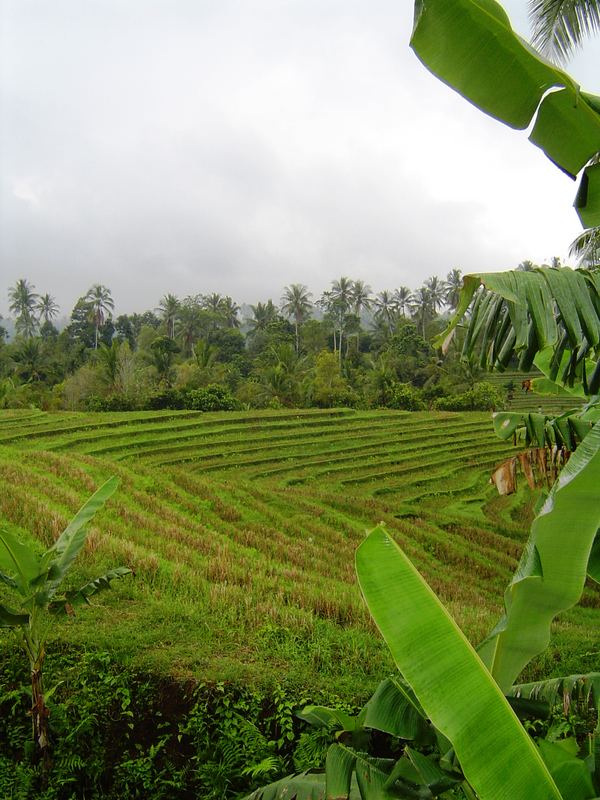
349 346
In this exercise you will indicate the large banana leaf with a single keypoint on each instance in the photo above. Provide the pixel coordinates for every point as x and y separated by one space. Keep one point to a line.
551 314
451 683
552 570
306 786
63 552
470 45
19 563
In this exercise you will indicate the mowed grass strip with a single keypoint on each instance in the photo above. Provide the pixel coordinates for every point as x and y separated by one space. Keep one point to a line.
243 574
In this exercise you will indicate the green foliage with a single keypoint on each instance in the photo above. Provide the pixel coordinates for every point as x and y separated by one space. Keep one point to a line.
405 396
329 388
210 398
482 397
469 43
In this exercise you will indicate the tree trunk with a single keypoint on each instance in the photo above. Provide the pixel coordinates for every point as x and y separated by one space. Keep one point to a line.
39 716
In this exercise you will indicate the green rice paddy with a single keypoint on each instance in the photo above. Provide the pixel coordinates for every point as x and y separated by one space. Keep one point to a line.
241 529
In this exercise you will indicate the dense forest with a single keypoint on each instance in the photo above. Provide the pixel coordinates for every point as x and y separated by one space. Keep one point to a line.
348 347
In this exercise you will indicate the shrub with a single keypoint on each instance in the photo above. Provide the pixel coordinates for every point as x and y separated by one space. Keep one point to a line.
482 397
405 396
211 398
168 398
114 402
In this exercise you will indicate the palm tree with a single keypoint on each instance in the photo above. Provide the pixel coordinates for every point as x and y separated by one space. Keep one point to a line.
586 248
100 304
47 308
205 354
282 374
403 298
341 295
560 27
108 358
22 302
526 266
229 309
212 302
421 307
262 316
169 308
29 360
361 301
437 292
190 323
386 309
453 285
295 303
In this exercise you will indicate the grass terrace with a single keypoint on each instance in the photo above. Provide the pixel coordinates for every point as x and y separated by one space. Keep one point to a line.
241 529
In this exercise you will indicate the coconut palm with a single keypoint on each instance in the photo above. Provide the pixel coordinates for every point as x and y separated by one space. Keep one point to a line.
230 310
437 292
361 301
100 304
452 287
295 303
341 299
191 325
22 302
169 308
421 307
47 308
559 26
108 358
402 298
386 309
29 361
263 314
586 248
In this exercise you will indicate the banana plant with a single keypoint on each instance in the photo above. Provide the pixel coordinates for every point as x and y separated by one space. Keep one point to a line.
470 45
549 317
452 696
33 581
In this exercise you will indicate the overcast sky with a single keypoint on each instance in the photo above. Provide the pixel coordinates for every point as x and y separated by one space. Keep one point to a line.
191 146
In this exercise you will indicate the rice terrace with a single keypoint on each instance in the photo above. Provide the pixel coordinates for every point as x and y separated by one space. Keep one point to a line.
241 529
343 544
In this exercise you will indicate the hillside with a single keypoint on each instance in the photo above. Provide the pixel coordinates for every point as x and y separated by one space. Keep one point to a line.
241 529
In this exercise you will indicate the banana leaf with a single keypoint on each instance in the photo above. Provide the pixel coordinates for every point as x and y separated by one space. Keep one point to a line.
552 571
470 45
12 619
456 691
82 595
394 709
553 322
306 786
63 552
19 563
581 691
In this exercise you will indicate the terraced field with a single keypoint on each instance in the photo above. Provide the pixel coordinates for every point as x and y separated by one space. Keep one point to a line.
531 401
241 528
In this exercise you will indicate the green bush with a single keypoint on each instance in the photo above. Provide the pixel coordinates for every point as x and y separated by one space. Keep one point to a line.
167 399
404 396
113 402
211 398
482 397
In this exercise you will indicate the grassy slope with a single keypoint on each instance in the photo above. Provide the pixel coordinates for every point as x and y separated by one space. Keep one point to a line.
241 529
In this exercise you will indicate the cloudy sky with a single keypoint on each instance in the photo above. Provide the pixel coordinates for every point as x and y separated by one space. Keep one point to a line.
238 146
